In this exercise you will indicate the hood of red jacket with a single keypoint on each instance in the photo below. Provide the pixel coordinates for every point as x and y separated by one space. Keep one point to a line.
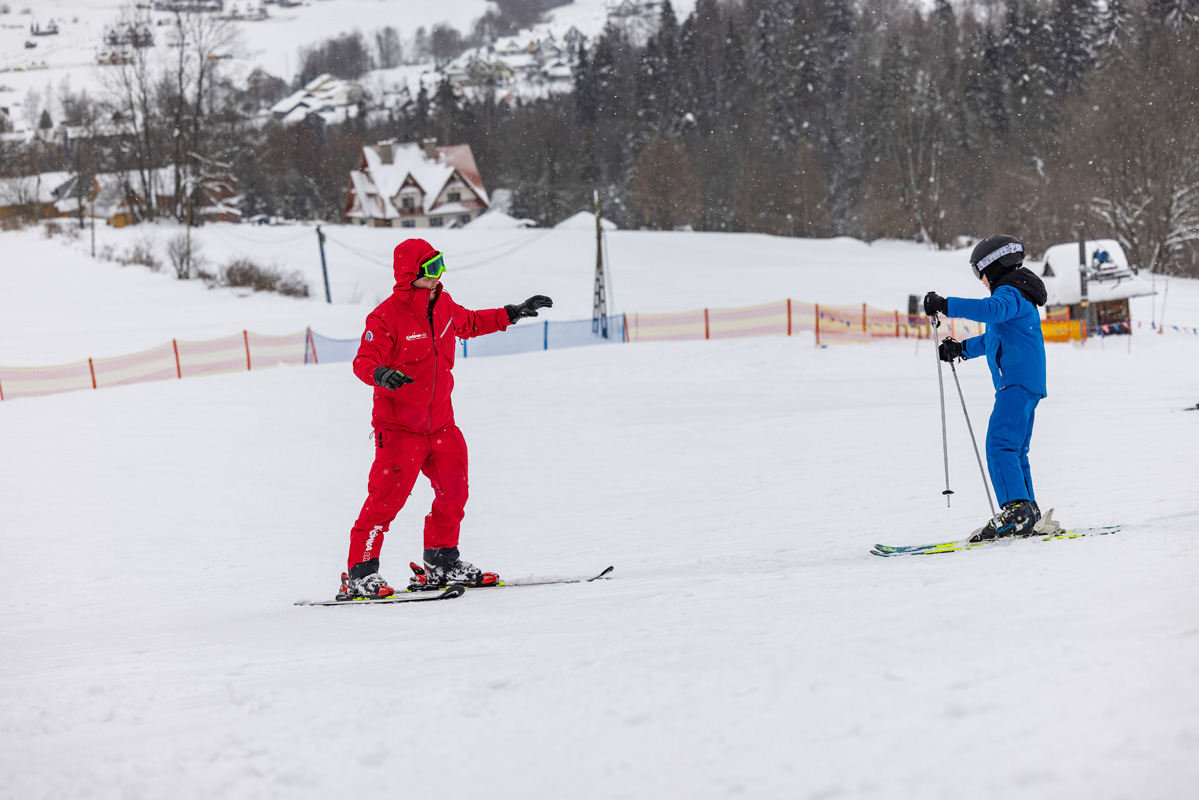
406 260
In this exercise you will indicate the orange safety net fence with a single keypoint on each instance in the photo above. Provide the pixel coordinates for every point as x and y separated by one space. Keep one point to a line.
175 360
829 323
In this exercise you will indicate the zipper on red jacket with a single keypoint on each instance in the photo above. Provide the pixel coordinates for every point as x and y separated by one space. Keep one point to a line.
433 335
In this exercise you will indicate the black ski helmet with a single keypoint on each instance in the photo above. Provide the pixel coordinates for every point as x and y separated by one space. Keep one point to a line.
996 256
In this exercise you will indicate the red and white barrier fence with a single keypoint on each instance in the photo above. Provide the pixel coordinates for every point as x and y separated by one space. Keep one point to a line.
177 359
250 351
829 324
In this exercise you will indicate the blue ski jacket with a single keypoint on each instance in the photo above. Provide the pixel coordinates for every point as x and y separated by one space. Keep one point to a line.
1013 343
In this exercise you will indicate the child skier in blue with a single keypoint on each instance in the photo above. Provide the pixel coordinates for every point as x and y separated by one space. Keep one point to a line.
1015 351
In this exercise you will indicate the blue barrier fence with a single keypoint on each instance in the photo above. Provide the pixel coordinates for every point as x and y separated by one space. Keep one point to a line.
323 350
520 338
526 338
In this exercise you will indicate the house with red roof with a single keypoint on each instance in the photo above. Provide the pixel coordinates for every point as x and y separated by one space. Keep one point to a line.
415 185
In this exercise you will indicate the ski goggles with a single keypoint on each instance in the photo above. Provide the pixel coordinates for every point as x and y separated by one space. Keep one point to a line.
433 268
993 256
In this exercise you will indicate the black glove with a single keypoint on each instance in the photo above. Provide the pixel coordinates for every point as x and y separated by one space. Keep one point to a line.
529 307
935 304
950 349
389 378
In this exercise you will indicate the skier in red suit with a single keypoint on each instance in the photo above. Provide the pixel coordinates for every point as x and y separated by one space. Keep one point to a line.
406 353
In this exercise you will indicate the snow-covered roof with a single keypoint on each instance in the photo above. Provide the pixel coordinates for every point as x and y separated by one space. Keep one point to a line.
325 95
1109 275
32 188
392 167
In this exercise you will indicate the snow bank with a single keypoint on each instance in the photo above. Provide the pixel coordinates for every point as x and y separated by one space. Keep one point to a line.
499 221
583 221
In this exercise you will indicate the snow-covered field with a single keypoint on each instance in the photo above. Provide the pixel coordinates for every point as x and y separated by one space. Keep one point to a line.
154 538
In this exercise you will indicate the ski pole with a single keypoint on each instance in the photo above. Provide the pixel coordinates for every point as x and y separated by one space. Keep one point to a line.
973 441
941 387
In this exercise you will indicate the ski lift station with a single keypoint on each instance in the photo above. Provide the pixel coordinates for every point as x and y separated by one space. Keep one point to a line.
1110 282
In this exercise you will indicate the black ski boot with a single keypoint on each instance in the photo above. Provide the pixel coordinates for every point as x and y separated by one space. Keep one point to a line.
1016 518
443 566
364 580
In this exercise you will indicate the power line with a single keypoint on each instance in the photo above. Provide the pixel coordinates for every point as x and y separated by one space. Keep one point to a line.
492 258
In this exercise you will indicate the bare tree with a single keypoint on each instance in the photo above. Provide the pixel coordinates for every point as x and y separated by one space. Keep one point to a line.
1140 128
390 51
666 191
130 105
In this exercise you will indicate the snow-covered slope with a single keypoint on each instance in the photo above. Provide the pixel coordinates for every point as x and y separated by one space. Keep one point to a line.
57 304
154 538
70 57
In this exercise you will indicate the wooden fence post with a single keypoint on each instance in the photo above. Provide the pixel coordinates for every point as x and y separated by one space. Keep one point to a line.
178 367
788 316
707 327
245 335
817 323
863 317
92 369
897 324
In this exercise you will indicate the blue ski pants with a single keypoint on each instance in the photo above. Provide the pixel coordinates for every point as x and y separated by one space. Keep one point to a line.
1008 437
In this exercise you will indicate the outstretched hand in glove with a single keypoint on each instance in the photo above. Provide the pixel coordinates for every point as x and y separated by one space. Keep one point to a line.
935 304
950 349
529 307
389 378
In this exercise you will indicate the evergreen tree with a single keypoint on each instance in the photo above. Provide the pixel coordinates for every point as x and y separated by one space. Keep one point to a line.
586 100
1073 30
1109 36
1174 14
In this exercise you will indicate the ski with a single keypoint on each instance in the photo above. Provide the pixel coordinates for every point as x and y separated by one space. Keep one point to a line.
548 581
407 596
887 551
420 571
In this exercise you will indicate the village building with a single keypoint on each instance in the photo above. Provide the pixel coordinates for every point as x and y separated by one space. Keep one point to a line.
115 197
32 196
534 59
411 185
330 98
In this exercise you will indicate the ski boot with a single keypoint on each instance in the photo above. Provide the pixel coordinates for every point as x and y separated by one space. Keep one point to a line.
364 580
1016 519
443 566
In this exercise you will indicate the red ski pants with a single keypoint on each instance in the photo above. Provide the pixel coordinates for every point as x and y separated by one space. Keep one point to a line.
399 458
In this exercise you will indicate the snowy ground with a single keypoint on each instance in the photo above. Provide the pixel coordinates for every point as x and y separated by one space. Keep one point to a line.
155 536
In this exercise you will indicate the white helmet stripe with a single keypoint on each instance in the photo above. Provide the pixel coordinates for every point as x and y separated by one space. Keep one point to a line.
991 257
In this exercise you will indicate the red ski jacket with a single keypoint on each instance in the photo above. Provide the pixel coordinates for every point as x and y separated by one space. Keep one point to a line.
413 331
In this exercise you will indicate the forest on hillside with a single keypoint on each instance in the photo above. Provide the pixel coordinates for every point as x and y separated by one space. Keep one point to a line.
815 118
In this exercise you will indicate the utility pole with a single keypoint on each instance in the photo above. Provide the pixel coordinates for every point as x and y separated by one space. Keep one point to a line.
1087 314
599 309
320 237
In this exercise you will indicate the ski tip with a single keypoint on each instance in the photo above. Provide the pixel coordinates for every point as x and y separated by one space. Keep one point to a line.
453 590
603 574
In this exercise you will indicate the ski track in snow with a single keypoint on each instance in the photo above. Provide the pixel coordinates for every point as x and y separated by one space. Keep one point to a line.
155 537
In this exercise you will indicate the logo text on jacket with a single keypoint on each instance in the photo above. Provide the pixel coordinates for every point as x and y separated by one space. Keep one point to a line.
412 336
